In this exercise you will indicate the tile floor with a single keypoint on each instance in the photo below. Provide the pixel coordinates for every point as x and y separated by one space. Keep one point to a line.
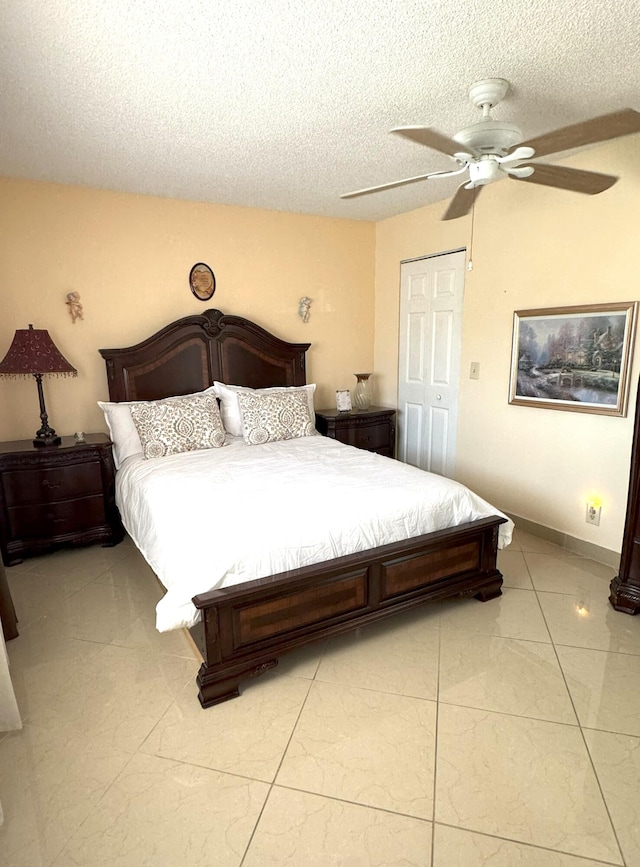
463 734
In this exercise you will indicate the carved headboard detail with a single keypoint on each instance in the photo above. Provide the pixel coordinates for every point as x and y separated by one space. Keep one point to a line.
189 354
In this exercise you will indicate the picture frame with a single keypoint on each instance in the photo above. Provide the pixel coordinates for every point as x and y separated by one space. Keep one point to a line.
202 281
343 400
573 358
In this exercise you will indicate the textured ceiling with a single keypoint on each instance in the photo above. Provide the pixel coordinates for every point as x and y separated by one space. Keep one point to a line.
285 105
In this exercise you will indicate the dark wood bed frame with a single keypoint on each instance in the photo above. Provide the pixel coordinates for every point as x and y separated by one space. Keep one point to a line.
245 628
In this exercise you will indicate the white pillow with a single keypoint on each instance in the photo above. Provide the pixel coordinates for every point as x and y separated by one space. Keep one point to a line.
268 418
122 430
230 409
177 425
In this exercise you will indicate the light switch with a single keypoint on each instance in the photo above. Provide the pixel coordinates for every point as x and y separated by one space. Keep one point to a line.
475 370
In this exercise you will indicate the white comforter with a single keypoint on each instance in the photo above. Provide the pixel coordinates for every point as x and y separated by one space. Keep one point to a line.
217 517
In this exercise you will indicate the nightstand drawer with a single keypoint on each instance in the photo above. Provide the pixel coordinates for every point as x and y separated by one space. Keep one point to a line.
373 430
57 496
369 437
51 484
56 519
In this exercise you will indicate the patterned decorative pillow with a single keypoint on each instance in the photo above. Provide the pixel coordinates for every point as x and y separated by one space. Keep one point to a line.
172 426
230 409
267 418
122 430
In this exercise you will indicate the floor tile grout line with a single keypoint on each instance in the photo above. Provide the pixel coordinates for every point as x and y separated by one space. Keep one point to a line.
255 827
95 806
284 752
602 795
435 743
369 689
580 728
193 764
598 649
527 843
339 800
277 771
512 715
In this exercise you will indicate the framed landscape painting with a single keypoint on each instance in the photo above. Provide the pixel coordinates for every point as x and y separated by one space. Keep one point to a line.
573 358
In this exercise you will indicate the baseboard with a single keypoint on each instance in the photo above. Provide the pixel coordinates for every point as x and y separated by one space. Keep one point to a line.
564 540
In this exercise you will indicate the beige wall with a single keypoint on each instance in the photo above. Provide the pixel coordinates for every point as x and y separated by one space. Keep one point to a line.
129 258
533 247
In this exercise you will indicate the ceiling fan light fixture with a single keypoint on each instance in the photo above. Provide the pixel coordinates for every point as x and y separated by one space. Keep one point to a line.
483 171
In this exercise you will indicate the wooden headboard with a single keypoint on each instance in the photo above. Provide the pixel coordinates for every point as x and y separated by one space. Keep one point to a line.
189 354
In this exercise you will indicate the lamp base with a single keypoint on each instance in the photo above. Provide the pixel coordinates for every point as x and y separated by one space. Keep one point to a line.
47 441
46 436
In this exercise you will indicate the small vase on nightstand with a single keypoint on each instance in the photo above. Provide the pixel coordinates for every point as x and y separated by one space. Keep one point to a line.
362 392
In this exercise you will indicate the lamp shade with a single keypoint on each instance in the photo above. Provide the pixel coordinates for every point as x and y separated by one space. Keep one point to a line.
34 352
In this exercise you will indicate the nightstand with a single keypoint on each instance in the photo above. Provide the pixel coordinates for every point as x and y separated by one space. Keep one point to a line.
372 429
56 496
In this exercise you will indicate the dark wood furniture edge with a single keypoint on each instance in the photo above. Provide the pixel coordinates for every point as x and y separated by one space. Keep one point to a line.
245 628
357 414
625 587
373 429
223 339
624 597
8 616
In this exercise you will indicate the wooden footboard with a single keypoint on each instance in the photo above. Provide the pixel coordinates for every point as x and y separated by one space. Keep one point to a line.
246 628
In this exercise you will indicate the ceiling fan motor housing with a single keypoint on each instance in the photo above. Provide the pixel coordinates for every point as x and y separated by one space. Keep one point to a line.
490 136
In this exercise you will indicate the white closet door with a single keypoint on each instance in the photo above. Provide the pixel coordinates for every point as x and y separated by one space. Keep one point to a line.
431 296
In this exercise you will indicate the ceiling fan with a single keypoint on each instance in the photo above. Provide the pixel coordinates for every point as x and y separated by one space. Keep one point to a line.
490 150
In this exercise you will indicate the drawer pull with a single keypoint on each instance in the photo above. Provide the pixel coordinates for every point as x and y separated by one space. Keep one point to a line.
54 520
47 484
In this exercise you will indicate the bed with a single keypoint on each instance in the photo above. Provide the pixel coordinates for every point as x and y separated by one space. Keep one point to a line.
244 628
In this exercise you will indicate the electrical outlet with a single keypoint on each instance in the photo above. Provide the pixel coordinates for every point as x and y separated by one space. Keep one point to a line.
593 514
474 373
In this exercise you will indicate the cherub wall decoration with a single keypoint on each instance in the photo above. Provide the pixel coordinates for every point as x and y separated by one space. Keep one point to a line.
304 310
74 305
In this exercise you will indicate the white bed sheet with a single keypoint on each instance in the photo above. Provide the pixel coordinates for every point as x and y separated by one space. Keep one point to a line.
218 517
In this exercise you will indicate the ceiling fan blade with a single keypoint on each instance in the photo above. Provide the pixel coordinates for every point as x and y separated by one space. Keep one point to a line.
389 186
393 184
569 179
461 203
428 137
603 128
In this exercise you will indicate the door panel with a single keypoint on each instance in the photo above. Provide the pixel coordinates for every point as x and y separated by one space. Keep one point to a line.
438 442
431 299
416 347
442 331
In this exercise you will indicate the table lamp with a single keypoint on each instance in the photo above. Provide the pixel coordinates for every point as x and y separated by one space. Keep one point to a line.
34 352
